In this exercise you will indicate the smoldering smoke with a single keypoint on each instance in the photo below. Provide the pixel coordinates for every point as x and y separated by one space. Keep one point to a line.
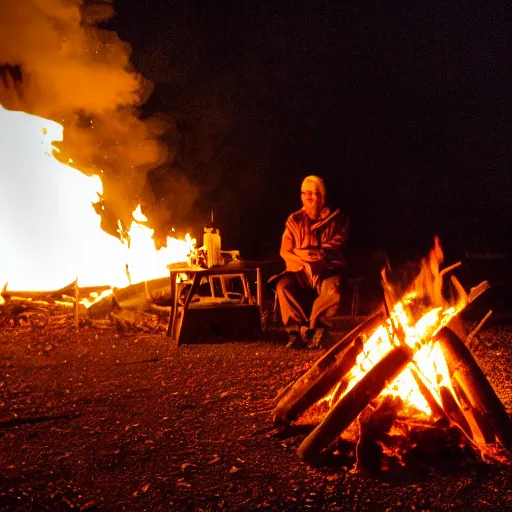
78 74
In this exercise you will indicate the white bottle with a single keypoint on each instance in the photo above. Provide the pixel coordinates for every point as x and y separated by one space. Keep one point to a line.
212 244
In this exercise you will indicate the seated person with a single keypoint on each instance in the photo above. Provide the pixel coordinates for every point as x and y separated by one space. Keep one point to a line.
308 291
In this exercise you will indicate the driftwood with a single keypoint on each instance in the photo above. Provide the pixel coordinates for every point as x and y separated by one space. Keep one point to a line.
135 296
129 318
467 373
353 403
103 307
143 293
50 295
324 374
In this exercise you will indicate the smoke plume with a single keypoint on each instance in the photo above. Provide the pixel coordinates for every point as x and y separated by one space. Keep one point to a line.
79 74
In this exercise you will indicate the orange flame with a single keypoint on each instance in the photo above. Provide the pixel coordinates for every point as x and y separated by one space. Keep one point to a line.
49 232
414 319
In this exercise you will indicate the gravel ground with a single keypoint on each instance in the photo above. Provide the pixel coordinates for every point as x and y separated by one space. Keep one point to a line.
110 421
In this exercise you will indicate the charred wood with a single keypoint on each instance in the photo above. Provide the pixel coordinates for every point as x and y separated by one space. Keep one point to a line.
282 391
454 412
476 291
483 433
353 403
374 427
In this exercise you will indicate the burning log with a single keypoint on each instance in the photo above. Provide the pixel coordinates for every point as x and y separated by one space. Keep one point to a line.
142 293
324 374
137 295
482 433
102 307
303 397
467 373
436 409
443 392
353 403
476 291
50 295
454 412
374 427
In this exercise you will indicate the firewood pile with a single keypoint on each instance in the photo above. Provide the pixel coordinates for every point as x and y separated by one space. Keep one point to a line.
141 307
404 383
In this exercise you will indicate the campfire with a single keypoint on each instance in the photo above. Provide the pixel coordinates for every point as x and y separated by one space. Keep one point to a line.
53 233
57 262
402 381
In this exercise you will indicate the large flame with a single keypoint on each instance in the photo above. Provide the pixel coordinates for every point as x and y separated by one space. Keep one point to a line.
428 358
50 233
414 320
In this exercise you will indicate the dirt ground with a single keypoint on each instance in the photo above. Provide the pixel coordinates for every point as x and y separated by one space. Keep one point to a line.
105 420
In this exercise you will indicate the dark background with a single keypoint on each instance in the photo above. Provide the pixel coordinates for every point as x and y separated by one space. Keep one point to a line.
402 107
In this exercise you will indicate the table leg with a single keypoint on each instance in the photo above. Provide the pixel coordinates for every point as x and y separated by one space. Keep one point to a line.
193 289
259 291
174 311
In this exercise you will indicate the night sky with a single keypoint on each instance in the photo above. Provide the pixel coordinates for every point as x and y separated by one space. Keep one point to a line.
402 107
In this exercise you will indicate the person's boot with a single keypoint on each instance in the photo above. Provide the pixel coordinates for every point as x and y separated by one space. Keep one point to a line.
320 338
306 334
294 340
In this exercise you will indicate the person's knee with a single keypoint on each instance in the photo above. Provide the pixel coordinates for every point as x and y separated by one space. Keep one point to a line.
284 283
331 286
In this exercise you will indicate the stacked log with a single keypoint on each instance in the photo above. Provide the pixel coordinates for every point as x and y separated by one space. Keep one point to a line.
321 378
348 408
464 370
468 403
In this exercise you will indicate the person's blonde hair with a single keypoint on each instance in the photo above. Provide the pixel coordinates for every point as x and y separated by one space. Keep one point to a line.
318 182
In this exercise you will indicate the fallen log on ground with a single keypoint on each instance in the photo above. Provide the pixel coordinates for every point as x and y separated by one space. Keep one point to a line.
129 318
51 295
137 295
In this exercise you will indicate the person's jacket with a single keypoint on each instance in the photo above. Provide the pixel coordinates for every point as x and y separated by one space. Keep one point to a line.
328 234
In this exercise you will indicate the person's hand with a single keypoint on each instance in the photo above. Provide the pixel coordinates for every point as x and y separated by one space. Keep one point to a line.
311 255
317 267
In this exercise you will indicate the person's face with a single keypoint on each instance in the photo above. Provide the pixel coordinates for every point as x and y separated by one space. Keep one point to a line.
311 197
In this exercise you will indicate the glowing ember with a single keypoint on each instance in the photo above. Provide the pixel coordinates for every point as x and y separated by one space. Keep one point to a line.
50 233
